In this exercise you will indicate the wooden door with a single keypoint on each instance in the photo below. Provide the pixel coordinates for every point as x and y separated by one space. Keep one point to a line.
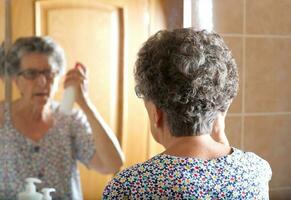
105 36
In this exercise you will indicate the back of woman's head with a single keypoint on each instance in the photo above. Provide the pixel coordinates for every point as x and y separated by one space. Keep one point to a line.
35 44
190 75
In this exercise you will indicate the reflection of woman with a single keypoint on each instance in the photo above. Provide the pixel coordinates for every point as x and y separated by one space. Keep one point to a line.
187 80
41 141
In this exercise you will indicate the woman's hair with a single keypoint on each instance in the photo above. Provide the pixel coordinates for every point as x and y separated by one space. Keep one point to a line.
35 44
190 75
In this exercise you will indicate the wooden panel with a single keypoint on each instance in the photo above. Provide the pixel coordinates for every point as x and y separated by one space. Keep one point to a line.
22 18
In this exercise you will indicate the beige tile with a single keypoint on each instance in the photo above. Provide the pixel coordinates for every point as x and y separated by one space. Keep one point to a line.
280 194
227 15
268 75
233 131
235 44
268 17
269 137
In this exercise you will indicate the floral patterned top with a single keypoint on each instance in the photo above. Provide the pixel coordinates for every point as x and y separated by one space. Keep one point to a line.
53 159
240 175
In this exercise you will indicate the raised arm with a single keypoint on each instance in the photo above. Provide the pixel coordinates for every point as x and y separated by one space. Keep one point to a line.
108 157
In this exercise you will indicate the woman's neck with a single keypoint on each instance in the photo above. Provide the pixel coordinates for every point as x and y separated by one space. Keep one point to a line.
31 112
203 146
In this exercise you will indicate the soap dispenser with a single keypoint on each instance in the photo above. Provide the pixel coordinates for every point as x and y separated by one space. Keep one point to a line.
30 192
46 193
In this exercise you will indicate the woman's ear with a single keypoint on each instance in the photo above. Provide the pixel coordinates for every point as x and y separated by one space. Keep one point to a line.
155 114
158 116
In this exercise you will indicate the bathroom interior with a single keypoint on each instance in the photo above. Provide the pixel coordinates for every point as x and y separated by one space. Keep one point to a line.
106 35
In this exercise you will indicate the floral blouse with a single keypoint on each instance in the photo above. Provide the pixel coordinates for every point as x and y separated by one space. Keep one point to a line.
53 159
240 175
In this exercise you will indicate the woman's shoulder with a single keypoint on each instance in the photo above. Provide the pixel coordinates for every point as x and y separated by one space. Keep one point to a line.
251 160
146 167
248 156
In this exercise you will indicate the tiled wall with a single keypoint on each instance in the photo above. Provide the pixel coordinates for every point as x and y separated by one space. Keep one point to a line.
259 34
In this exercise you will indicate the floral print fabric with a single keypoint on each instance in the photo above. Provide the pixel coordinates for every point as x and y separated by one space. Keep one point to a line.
53 159
240 175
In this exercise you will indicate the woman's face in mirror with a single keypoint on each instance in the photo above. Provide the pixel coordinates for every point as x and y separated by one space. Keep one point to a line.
36 79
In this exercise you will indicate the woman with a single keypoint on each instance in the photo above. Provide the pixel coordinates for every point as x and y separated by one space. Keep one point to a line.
40 141
187 80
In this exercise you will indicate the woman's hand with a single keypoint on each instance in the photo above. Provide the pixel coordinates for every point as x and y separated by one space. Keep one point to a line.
77 77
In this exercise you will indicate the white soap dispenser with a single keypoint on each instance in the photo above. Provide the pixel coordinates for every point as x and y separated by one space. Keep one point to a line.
46 193
30 192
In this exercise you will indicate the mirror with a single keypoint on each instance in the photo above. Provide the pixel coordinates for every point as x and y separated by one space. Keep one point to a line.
100 49
103 36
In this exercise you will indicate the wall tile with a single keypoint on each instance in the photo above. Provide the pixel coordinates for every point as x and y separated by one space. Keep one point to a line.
227 14
269 137
268 17
280 194
268 75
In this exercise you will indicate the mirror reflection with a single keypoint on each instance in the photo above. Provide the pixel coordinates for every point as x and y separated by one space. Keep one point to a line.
46 139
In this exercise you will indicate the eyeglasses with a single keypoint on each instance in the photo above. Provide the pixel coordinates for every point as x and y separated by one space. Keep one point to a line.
138 92
32 74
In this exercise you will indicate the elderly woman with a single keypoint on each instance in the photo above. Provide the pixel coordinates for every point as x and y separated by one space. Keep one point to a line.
40 141
187 80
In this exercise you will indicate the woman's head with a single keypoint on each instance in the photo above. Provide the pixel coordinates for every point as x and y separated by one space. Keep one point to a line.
35 44
35 64
190 75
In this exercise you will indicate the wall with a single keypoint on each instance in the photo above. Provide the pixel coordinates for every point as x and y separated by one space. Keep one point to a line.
259 33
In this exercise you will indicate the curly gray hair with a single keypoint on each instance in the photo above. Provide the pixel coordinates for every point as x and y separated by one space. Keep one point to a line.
35 44
190 75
